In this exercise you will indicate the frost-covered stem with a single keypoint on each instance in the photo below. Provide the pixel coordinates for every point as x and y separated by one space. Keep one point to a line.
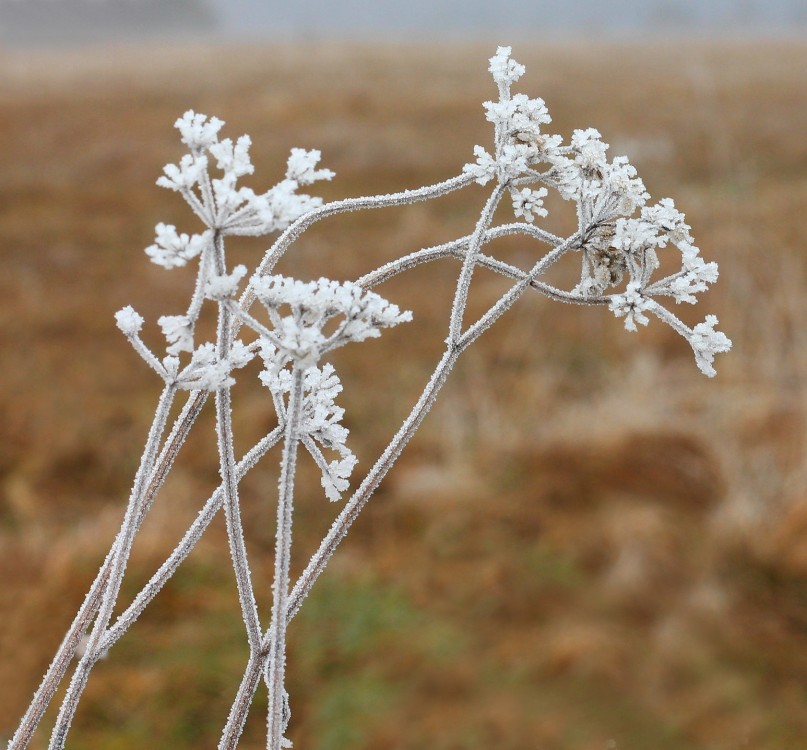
120 556
67 649
229 480
510 297
353 507
243 700
294 230
187 543
458 249
468 265
276 671
350 512
61 661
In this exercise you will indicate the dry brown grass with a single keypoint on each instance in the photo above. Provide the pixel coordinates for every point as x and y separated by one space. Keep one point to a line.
587 541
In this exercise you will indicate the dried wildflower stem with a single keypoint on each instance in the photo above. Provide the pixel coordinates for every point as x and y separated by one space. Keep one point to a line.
186 544
121 550
61 661
613 244
276 671
229 480
67 649
469 264
293 232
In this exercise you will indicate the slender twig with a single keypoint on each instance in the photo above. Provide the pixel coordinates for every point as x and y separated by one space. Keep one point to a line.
276 679
120 557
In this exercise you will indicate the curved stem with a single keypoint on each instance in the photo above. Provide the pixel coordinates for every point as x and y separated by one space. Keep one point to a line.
293 231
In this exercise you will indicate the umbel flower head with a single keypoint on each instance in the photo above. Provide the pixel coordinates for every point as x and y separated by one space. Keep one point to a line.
218 201
616 247
299 336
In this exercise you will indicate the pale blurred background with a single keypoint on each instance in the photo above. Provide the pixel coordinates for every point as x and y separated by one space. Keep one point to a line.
86 20
588 546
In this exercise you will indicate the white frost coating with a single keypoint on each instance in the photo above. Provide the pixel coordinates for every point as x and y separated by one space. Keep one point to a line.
301 167
197 131
299 337
630 305
178 331
225 286
173 250
320 417
706 342
619 253
129 321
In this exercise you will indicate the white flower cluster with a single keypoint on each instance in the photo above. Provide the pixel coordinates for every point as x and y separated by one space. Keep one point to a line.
207 371
225 209
218 202
706 342
320 417
614 245
299 337
630 305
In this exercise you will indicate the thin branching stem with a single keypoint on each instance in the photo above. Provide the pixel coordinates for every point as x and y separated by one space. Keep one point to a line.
276 673
121 550
293 232
229 480
468 265
186 544
67 649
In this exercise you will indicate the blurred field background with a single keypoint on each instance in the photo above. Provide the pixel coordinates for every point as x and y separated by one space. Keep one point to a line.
588 546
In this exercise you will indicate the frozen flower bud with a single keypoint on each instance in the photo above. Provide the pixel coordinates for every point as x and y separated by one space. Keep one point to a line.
301 167
503 68
225 286
589 148
335 479
129 321
622 186
529 203
706 342
184 176
196 131
178 331
484 169
630 305
173 250
233 159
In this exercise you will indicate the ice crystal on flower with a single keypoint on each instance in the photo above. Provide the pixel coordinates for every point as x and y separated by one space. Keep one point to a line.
207 371
320 417
301 167
300 336
225 286
197 131
529 203
129 321
173 250
178 331
233 159
630 305
706 342
504 69
184 176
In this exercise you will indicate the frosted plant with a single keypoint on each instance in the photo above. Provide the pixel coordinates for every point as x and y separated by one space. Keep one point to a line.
297 323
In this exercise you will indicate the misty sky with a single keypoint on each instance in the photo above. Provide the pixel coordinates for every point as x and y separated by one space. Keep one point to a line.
429 18
44 21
